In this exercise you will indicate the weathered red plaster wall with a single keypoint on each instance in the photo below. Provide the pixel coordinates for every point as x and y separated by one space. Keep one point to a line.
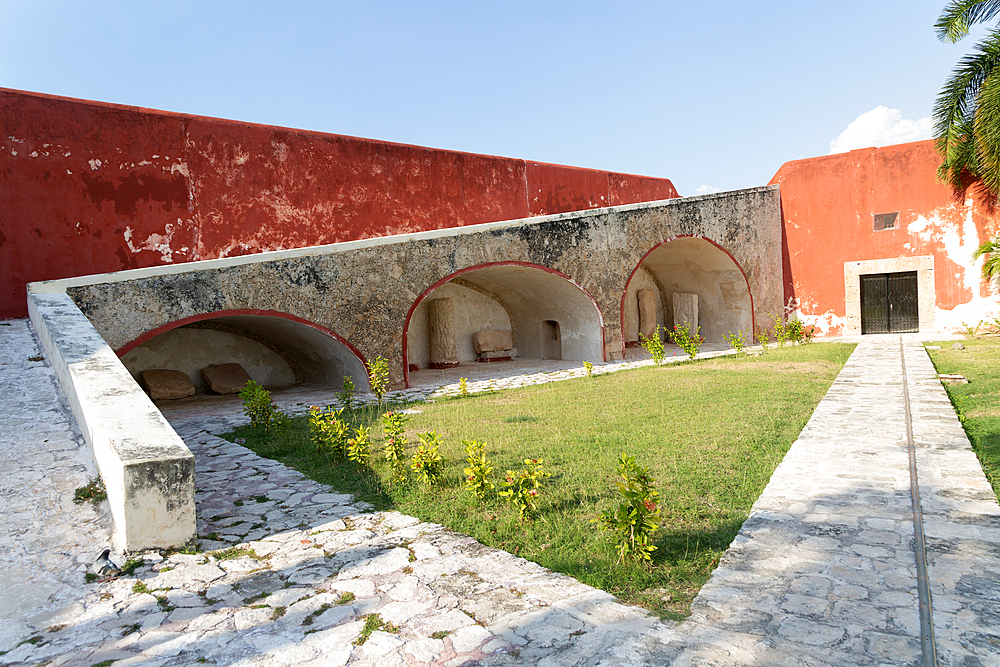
87 187
827 208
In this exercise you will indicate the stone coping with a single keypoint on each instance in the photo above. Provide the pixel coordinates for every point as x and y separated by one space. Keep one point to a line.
147 469
55 286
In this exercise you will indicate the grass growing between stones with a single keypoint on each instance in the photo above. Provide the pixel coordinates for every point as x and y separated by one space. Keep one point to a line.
711 431
977 403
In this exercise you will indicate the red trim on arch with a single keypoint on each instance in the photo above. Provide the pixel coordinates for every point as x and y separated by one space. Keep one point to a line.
475 267
125 349
753 319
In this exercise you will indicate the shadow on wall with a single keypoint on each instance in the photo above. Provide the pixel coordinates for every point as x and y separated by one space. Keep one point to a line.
274 351
503 311
687 265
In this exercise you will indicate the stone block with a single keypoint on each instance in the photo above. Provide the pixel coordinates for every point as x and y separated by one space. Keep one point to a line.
225 378
492 341
441 318
647 313
686 310
167 384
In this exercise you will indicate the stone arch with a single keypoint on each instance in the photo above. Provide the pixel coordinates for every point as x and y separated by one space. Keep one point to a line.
276 348
691 264
528 298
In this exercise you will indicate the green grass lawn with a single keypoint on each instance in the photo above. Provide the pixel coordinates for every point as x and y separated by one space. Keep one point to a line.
977 403
711 431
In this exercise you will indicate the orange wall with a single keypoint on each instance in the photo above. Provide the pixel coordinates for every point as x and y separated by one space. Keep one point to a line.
87 187
827 208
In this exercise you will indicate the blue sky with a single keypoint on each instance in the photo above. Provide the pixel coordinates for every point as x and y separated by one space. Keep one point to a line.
714 96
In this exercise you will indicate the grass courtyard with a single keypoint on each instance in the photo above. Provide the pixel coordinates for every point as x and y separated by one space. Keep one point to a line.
978 402
710 431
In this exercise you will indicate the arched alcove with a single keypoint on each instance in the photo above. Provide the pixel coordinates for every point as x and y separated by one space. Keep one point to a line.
276 349
547 313
690 265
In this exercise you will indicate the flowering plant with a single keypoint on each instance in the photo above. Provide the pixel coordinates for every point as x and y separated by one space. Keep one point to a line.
427 462
687 340
521 488
477 474
638 517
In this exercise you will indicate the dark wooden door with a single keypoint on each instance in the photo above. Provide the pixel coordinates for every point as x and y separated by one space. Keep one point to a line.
889 303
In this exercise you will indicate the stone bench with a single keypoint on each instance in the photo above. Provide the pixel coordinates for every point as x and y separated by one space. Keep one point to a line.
493 345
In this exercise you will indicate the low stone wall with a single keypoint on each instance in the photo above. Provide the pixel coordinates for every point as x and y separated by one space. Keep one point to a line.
147 469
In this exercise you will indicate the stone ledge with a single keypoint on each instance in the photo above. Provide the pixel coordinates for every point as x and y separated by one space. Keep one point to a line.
147 469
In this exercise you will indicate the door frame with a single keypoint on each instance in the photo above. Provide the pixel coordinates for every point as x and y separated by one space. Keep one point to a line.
926 298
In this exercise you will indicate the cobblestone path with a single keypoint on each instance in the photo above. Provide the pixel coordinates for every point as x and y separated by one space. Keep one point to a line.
823 572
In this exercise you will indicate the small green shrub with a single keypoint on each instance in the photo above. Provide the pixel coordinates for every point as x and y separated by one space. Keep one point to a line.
521 488
588 368
258 406
346 394
463 387
378 376
328 431
737 341
359 447
780 331
653 345
637 517
477 473
395 445
764 338
687 340
427 461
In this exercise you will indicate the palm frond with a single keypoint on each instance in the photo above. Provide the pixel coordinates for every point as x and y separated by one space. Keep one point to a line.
960 15
967 117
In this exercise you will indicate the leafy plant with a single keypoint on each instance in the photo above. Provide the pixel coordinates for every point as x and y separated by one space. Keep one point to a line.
378 377
93 491
359 447
258 406
477 473
780 331
328 430
687 340
653 345
637 517
427 460
764 338
588 368
798 332
463 387
737 341
346 393
521 488
395 445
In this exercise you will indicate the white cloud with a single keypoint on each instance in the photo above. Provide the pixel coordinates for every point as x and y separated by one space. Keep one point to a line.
707 190
881 127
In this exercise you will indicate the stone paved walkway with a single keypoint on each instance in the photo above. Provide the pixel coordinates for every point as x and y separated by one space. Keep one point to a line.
823 572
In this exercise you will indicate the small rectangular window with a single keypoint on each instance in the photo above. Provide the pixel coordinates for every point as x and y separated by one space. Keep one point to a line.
885 221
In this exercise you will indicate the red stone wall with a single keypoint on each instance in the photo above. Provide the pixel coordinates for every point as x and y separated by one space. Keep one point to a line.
827 208
87 187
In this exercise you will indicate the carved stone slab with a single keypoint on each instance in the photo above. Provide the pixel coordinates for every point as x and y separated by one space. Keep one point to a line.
647 312
492 341
167 384
686 310
441 317
225 378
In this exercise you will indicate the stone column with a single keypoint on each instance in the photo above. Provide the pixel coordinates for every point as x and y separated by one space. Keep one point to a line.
441 316
647 313
686 310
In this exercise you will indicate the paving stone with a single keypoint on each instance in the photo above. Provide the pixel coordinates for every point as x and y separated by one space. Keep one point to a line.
821 574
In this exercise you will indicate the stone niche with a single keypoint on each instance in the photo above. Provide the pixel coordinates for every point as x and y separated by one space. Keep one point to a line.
686 310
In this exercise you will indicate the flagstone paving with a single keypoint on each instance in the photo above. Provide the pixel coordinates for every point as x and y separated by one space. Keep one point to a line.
823 572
